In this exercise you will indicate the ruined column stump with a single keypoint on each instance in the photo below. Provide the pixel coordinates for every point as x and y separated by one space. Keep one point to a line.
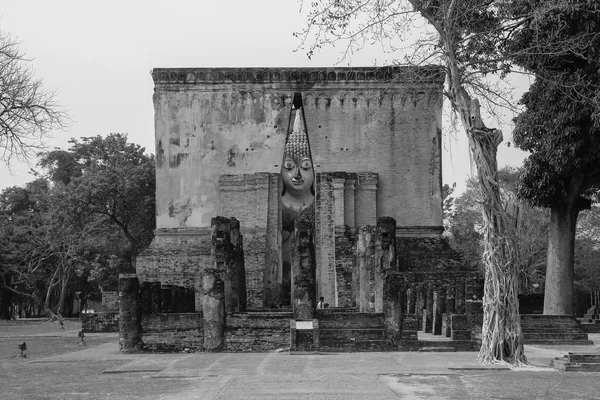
130 314
213 307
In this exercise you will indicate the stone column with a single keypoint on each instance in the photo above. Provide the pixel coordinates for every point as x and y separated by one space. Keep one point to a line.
392 308
420 305
450 301
429 307
213 308
411 299
365 248
385 256
438 296
366 199
349 189
303 269
130 314
225 244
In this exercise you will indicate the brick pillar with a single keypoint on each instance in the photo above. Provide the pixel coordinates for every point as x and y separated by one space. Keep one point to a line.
325 237
385 256
349 209
273 277
429 306
213 308
365 248
303 269
366 199
130 314
251 200
221 255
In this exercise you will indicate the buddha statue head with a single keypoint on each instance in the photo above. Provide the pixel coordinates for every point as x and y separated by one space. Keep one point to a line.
297 169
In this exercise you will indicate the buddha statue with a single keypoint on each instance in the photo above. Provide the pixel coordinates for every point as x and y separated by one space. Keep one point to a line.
298 195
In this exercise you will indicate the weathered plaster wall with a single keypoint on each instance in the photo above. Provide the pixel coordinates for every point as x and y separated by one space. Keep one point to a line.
211 122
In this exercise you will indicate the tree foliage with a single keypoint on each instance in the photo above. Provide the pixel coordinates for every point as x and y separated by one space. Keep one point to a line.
113 180
560 127
29 111
75 228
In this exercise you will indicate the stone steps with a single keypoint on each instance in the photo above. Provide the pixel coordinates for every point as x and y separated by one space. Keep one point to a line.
553 329
349 330
347 345
578 362
556 336
356 334
441 349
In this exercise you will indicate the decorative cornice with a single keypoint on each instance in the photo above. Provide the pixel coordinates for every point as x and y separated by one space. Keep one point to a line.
307 76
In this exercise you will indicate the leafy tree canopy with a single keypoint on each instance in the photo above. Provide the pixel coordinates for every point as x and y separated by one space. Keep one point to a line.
110 181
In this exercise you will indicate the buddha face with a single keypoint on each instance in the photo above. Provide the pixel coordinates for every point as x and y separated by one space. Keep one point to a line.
298 175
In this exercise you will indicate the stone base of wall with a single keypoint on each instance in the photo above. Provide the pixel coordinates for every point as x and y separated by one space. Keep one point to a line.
173 332
100 322
258 331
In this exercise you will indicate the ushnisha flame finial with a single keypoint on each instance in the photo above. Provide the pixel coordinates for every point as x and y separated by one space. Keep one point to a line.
297 143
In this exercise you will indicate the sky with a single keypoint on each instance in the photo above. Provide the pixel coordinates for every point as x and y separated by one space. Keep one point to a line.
98 56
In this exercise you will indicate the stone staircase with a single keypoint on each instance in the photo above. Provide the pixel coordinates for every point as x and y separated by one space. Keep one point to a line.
348 330
578 362
553 329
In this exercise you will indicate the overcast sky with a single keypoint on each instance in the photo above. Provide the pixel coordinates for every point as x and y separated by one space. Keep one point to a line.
99 55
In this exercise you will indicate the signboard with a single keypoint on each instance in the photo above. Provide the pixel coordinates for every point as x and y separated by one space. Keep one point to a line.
301 325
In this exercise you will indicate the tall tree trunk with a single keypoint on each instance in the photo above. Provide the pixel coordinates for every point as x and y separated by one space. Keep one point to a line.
501 336
63 294
558 296
50 286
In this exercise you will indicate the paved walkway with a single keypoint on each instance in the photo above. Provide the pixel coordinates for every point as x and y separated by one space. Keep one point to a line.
106 373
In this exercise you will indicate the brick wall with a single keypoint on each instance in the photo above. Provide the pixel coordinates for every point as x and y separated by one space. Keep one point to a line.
176 258
258 331
172 332
345 257
100 322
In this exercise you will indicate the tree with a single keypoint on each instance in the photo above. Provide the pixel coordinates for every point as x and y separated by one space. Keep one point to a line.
34 257
110 182
466 38
561 128
29 111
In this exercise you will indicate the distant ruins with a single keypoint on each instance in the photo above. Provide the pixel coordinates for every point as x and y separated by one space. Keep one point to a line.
278 186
